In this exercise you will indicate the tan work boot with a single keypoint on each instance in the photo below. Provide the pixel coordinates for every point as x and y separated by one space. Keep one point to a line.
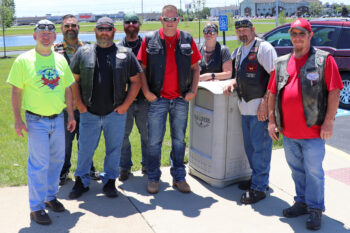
152 187
182 186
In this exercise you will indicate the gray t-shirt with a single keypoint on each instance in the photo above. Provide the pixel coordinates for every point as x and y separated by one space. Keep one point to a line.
266 56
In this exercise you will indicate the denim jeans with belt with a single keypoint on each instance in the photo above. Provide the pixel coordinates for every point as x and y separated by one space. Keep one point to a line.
138 111
305 157
91 126
258 147
46 155
157 118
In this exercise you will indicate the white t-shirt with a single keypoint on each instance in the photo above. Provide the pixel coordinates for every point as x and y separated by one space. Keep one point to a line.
266 57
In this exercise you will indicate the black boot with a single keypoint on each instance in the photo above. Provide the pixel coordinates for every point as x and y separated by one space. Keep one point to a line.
78 189
109 188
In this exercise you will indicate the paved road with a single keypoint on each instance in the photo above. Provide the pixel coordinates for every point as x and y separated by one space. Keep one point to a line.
341 137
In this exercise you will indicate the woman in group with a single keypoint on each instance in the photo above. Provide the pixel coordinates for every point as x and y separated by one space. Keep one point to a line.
216 63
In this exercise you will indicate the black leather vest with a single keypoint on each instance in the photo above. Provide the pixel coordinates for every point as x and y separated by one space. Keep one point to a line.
156 60
313 87
214 64
252 78
121 73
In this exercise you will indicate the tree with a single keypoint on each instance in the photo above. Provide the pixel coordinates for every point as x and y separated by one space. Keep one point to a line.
205 13
282 17
7 11
198 6
344 11
316 8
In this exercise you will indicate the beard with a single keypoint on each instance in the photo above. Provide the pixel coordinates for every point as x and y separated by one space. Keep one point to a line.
104 39
243 39
71 34
132 33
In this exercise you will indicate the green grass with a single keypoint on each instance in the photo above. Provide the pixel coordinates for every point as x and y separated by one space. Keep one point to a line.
14 155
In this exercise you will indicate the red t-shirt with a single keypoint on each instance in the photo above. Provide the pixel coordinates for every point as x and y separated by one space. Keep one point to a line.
171 88
294 122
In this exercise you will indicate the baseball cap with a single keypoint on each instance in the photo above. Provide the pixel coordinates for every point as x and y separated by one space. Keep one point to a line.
131 17
243 23
301 24
44 25
104 21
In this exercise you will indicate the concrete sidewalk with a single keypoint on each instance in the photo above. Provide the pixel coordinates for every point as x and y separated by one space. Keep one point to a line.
206 209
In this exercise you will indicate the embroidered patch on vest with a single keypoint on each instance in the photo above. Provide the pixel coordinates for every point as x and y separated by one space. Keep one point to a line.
320 60
252 56
121 55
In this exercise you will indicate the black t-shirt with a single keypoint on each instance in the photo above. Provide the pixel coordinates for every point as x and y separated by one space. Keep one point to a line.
102 93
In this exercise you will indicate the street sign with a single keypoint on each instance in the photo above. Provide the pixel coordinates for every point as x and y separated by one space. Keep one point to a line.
223 23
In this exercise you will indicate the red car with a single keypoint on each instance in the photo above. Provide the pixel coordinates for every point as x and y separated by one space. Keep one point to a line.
332 35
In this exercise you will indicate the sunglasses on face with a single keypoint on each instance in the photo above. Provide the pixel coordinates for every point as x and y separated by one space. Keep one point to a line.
295 34
243 24
70 26
209 31
104 29
45 27
169 19
129 22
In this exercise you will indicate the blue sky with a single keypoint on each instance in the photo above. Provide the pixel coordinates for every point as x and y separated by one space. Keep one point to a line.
61 7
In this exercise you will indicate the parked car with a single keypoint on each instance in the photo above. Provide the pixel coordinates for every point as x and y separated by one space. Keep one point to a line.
332 35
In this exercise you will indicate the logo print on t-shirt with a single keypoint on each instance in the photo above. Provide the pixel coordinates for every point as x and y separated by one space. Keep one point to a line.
50 77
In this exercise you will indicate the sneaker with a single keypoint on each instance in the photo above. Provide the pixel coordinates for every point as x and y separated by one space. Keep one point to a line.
252 196
109 188
314 220
78 189
144 170
63 178
94 175
55 205
40 217
295 210
153 187
182 186
124 174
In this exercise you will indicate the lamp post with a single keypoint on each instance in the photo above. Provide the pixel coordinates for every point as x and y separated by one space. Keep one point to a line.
276 13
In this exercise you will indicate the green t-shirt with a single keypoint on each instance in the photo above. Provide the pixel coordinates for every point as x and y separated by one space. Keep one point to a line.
43 80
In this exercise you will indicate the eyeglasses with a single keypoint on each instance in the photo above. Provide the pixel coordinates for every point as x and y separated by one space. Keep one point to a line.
244 23
294 34
45 27
104 29
209 31
169 19
70 25
129 22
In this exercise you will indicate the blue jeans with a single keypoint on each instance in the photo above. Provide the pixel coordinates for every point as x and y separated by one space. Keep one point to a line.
305 157
46 155
258 147
138 111
91 126
157 117
69 137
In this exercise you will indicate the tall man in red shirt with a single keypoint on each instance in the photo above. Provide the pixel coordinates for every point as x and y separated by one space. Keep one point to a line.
170 60
302 105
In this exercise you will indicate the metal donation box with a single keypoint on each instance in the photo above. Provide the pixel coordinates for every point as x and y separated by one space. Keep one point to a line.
216 150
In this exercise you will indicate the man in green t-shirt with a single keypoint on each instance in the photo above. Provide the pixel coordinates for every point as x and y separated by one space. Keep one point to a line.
41 81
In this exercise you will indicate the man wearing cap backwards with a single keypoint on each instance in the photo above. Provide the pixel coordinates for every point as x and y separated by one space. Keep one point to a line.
139 108
41 81
70 44
170 58
108 81
253 65
302 105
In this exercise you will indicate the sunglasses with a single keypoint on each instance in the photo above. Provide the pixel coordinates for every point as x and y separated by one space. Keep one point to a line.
70 25
243 24
169 19
294 34
105 29
45 27
129 22
209 31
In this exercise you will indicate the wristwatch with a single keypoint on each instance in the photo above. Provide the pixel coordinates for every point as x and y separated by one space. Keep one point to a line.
212 76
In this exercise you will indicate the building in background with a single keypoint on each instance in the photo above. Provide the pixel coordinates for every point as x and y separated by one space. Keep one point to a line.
268 7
